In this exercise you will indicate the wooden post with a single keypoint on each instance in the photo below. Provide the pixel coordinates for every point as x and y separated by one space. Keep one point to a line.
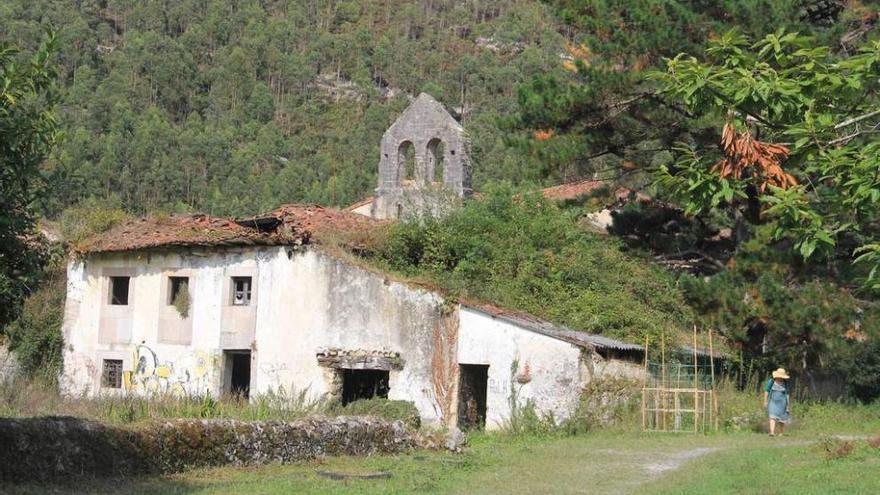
644 385
714 397
663 377
696 387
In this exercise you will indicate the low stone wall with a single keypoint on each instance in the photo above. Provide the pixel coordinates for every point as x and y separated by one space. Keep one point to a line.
63 448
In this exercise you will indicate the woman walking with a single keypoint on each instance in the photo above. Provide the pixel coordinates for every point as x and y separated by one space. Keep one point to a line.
777 402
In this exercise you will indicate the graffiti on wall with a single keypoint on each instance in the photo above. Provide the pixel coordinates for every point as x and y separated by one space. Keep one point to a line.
275 372
444 364
189 374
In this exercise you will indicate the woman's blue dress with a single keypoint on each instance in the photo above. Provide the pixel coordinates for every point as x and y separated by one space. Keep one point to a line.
777 403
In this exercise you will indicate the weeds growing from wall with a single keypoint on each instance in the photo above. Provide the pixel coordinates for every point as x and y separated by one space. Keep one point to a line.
182 300
522 252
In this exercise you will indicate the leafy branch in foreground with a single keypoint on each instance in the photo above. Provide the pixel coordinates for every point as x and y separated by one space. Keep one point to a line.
815 171
27 133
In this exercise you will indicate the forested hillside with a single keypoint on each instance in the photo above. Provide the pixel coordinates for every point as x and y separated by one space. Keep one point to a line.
751 123
230 107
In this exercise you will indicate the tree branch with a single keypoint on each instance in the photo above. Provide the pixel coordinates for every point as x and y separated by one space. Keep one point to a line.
855 119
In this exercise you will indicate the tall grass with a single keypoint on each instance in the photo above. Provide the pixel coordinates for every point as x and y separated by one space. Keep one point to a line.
742 408
32 398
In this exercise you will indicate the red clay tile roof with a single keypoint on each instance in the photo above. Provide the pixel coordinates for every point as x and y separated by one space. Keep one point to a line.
287 225
572 190
363 202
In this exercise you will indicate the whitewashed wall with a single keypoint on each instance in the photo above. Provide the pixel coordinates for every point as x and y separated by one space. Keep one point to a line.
192 367
552 365
319 302
304 301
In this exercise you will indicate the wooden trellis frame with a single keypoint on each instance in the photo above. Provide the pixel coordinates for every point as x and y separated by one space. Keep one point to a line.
676 403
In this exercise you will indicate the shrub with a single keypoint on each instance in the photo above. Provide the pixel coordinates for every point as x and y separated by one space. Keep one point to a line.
90 217
522 252
834 448
604 403
35 336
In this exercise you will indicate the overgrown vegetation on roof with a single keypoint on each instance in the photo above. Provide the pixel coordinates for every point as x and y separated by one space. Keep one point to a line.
522 252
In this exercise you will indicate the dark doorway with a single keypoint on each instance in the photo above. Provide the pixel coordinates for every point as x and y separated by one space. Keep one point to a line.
238 372
364 384
472 386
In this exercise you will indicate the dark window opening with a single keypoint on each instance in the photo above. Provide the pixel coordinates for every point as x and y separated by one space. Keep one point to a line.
111 374
364 384
176 286
241 291
472 387
119 290
238 372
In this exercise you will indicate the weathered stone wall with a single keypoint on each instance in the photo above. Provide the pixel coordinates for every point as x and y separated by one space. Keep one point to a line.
9 367
161 351
64 448
428 128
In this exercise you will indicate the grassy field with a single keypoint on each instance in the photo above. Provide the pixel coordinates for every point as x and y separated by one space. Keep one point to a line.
811 458
606 463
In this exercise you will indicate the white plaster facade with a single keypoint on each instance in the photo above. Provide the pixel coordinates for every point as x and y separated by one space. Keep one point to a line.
304 302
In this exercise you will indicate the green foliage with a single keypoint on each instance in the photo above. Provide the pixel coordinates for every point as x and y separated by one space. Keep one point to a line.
521 252
605 112
786 88
25 398
182 300
35 336
88 218
779 317
27 132
235 107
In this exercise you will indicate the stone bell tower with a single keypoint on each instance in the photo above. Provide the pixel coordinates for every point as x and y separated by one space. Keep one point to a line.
424 166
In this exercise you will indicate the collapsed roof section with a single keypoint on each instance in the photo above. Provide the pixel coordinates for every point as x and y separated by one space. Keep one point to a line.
286 225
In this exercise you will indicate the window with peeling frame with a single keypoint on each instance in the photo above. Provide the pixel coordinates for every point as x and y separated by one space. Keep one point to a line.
241 291
119 290
111 375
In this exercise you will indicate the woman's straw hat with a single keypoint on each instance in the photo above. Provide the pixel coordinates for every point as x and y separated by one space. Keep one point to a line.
780 373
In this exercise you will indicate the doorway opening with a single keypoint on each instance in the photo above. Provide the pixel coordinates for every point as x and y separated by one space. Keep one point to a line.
237 373
363 384
472 386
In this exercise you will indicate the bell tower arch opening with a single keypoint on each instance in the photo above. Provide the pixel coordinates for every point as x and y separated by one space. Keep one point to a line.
436 154
406 163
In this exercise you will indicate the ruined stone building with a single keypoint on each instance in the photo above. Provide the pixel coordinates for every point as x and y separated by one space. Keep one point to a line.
424 166
198 304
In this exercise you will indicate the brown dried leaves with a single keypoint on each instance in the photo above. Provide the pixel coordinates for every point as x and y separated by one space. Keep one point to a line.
746 156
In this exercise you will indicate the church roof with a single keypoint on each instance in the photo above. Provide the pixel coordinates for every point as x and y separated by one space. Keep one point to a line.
286 225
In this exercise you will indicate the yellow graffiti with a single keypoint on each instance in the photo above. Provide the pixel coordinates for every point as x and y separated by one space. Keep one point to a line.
189 373
163 371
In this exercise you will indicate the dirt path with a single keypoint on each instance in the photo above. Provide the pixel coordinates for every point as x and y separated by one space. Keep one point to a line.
577 467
